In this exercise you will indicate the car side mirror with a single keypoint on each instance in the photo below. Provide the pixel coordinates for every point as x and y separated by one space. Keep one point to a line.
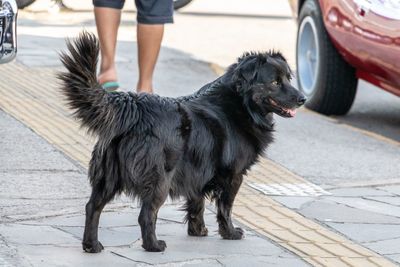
8 30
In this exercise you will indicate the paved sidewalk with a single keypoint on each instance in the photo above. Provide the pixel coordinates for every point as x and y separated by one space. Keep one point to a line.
42 218
44 171
41 109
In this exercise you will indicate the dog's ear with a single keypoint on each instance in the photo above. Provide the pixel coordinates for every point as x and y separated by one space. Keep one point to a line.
247 69
280 63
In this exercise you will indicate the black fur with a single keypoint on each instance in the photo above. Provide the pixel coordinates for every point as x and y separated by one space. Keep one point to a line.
193 147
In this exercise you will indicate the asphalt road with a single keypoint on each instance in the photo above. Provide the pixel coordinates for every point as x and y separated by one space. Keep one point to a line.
362 147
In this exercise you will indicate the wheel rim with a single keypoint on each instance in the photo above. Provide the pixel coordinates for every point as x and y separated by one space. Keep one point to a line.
307 55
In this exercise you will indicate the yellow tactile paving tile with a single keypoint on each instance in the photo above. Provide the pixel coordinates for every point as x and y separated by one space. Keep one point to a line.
337 262
278 175
301 235
39 106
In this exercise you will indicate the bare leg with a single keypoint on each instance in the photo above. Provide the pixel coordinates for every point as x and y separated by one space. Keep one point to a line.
149 39
107 22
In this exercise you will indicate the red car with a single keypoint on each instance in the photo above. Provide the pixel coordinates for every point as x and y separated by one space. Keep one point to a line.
341 41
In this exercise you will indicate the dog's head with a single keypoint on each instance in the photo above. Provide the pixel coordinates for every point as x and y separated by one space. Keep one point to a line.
263 80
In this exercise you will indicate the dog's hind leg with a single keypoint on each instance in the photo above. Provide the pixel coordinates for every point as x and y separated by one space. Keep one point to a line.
151 203
98 200
224 205
195 218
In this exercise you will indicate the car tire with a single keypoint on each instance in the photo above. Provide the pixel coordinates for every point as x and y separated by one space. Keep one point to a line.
327 80
24 3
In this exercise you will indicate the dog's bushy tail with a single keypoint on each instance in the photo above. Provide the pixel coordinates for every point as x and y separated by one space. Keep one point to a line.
101 112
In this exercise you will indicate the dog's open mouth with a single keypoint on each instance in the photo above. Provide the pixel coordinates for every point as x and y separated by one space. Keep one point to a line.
284 112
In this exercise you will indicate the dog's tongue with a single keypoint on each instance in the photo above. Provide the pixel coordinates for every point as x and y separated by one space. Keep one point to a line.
292 112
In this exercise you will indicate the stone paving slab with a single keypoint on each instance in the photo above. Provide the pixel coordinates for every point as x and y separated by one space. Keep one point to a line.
35 235
14 142
57 241
393 189
392 200
367 205
73 256
394 257
329 211
29 184
260 261
294 202
367 232
367 215
359 191
385 247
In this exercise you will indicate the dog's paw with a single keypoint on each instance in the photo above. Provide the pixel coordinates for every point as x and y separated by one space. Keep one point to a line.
159 246
94 247
238 233
234 234
198 231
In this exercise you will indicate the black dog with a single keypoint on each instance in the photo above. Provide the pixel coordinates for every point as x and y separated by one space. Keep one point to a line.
192 147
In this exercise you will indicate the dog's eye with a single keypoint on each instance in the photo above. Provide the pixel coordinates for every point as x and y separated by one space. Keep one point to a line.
275 83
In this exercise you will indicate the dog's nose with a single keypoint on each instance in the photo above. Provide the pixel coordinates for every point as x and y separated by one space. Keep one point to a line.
301 100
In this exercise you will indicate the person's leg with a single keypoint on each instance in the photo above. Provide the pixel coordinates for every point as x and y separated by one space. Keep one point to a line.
149 39
108 15
151 17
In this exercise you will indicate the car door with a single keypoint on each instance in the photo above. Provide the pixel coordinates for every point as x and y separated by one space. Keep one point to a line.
368 35
379 30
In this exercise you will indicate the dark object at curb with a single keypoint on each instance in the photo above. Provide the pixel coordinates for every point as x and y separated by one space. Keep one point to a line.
24 3
181 3
8 30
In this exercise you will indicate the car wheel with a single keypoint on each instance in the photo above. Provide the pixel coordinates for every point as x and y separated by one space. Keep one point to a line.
24 3
327 80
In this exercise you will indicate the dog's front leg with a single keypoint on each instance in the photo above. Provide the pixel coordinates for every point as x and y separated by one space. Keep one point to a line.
195 217
224 205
